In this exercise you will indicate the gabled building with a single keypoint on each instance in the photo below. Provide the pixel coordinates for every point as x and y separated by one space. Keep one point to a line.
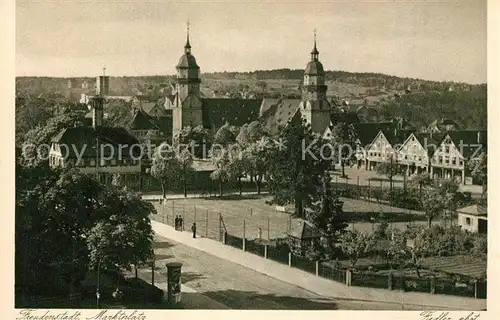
103 151
473 218
416 151
454 151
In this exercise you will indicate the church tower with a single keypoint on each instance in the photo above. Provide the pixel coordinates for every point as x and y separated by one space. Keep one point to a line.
315 108
187 106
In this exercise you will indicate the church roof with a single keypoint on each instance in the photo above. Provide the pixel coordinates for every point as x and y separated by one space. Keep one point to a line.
277 113
235 111
187 61
314 68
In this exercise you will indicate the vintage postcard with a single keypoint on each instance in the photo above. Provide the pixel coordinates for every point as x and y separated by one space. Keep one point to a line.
241 155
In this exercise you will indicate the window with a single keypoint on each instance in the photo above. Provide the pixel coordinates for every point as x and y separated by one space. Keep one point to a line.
447 149
467 221
92 162
113 162
461 162
454 161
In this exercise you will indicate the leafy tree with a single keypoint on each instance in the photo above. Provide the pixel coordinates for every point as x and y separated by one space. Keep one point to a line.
165 166
118 113
451 197
432 204
479 171
124 236
255 156
296 166
382 227
38 140
185 161
355 244
327 216
225 136
52 208
390 169
222 161
237 165
250 133
344 136
397 252
197 139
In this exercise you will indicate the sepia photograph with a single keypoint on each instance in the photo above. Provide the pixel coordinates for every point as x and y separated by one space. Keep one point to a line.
180 155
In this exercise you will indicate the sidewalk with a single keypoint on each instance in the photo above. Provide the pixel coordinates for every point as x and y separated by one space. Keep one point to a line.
190 298
316 284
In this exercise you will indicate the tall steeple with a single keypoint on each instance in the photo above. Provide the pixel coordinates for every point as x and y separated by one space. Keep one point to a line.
187 47
314 52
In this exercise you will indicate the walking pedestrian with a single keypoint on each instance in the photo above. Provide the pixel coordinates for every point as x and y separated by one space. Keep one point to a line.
181 223
193 228
260 233
176 222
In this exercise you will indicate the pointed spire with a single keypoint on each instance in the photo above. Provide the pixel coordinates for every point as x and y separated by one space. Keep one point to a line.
314 52
187 47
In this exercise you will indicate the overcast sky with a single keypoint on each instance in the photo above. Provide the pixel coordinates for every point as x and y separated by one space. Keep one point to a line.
435 40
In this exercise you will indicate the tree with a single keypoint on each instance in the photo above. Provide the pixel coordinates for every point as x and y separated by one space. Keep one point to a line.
53 207
225 136
432 204
479 171
237 165
250 133
165 166
355 244
296 166
255 160
222 161
38 140
382 227
344 137
390 169
448 188
124 236
185 162
397 252
327 216
198 139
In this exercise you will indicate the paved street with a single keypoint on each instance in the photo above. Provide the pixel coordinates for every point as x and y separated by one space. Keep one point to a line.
238 287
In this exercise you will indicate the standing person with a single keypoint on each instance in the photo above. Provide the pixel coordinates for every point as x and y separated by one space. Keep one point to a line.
176 222
181 223
193 228
260 233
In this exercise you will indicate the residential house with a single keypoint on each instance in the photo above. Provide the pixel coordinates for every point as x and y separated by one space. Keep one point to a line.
103 151
416 151
454 151
384 148
473 218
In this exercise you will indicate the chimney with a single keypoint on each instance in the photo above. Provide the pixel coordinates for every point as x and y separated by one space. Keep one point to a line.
97 105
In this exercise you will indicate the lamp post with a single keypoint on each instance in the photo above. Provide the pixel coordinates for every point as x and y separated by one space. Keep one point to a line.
97 294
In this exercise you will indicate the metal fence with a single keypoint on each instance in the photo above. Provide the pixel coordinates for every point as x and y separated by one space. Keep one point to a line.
243 234
212 224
